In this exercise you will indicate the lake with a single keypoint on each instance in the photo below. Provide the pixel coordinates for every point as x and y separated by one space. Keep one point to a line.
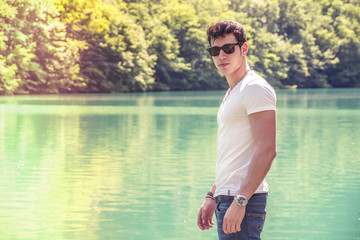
138 166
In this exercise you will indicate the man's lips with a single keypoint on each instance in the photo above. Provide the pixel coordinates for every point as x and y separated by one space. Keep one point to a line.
223 64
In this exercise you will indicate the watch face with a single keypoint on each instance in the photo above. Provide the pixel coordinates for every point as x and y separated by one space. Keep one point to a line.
241 200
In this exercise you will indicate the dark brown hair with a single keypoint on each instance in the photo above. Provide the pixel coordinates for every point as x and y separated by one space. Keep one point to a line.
225 27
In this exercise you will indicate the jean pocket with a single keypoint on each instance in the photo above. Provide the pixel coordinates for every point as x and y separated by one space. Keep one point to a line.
222 208
255 223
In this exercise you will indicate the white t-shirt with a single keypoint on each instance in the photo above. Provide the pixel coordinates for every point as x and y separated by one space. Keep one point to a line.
235 143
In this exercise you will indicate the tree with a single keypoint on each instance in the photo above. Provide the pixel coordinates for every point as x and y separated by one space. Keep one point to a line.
345 16
35 51
70 46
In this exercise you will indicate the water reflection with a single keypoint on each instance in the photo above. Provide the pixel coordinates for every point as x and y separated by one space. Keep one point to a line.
317 165
136 165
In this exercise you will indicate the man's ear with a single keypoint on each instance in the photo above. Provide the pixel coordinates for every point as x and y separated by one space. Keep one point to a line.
244 48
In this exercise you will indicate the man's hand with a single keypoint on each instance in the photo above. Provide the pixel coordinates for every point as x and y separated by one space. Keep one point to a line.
233 218
206 213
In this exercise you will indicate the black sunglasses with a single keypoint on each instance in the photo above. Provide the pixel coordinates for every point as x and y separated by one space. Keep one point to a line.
227 48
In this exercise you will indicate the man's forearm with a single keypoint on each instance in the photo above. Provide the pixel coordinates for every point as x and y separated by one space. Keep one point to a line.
259 167
213 188
263 126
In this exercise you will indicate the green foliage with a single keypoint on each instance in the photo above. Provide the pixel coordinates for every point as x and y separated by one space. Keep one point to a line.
61 46
36 56
301 43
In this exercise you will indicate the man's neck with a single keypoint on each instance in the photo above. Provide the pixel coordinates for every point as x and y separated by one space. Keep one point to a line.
237 76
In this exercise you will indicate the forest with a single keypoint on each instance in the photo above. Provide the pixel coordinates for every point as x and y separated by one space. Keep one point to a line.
114 46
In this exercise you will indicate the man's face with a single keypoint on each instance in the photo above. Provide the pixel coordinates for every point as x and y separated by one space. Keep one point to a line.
227 64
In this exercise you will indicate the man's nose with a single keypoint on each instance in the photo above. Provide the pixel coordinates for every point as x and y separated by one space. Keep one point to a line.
222 53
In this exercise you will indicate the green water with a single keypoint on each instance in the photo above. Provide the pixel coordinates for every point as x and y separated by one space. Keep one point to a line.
137 166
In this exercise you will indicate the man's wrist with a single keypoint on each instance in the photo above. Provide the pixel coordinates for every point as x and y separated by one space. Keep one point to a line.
210 195
241 200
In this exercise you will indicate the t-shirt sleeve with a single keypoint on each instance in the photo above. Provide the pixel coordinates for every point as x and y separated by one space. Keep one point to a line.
258 98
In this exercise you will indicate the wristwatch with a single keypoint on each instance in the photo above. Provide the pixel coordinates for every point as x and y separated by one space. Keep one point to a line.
241 200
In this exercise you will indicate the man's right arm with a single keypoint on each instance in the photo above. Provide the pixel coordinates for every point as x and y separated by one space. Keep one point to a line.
206 212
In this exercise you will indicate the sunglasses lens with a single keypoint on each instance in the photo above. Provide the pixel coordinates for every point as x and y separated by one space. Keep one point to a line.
214 51
228 48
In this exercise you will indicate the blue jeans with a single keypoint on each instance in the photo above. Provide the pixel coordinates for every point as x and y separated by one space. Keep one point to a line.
253 222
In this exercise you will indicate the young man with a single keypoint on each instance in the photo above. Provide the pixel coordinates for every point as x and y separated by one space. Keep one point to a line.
245 142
